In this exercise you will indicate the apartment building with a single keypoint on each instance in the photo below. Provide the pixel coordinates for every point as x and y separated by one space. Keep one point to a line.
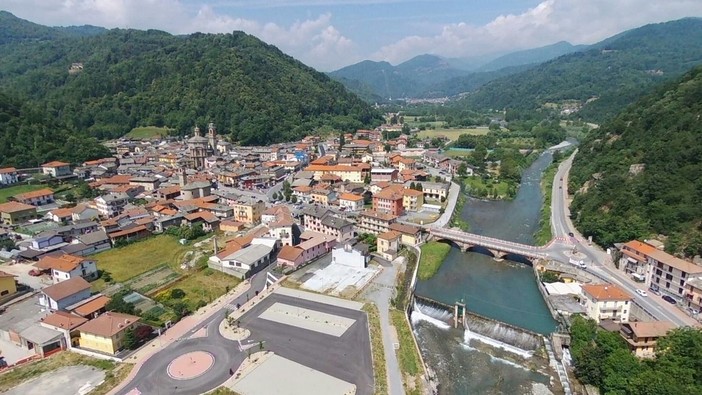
248 211
606 302
371 221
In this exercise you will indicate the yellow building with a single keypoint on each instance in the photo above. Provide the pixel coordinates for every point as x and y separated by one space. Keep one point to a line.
388 244
412 200
248 211
8 285
355 173
106 332
12 213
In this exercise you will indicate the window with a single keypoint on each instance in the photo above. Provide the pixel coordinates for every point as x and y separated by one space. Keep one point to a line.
668 276
670 269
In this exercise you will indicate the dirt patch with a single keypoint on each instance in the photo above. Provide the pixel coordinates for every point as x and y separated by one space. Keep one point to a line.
153 279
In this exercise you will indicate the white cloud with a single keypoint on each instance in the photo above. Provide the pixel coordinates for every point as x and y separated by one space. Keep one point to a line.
577 21
314 41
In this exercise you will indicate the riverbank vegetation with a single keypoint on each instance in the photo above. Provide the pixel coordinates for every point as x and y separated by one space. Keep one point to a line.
638 176
433 255
602 359
379 365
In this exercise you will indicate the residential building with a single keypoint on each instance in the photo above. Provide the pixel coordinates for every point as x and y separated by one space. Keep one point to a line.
406 164
84 212
8 176
56 169
65 323
351 202
8 285
321 197
248 210
13 213
389 200
66 266
693 294
63 294
371 221
356 173
91 307
606 302
411 235
303 194
388 244
412 200
112 204
312 246
641 337
60 215
133 233
106 333
381 174
148 183
336 227
433 190
36 198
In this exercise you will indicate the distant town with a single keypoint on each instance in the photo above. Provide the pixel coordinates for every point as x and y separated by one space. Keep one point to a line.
121 258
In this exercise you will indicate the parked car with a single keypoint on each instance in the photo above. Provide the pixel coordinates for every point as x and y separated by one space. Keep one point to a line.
35 272
669 299
571 234
641 292
655 291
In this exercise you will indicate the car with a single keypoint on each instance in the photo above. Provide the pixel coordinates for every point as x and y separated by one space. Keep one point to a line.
655 291
669 299
34 272
641 292
571 234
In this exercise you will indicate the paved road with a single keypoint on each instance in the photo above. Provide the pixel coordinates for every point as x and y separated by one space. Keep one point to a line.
379 292
600 263
152 377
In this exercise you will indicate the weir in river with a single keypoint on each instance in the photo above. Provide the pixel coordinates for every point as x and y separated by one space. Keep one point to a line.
481 358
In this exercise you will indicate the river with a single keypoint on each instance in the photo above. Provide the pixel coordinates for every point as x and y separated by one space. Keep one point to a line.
505 291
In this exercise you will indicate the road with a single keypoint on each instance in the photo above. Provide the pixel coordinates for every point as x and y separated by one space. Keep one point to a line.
600 263
151 376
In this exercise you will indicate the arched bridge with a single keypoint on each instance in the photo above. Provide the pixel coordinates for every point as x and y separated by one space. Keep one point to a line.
499 248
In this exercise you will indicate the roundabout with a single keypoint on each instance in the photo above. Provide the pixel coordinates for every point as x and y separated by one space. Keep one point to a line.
190 365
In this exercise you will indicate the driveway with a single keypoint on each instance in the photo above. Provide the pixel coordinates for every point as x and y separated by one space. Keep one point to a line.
21 270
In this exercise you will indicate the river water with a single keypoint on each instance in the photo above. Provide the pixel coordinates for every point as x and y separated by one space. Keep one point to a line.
505 291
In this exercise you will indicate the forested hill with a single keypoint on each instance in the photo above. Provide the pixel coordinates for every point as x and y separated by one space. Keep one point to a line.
29 137
640 174
610 75
136 78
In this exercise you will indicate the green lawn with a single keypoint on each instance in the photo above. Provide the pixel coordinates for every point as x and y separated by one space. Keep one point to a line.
205 285
433 255
148 132
134 259
478 185
410 364
452 134
376 337
5 193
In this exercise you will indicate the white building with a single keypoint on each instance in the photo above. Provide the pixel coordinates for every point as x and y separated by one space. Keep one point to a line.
8 176
112 204
606 302
351 202
66 267
243 263
56 169
350 256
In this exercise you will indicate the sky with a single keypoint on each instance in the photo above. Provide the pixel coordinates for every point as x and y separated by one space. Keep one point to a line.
330 34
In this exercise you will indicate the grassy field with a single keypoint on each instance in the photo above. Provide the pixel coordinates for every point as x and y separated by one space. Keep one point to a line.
457 153
115 373
433 255
204 286
379 367
543 235
497 190
134 259
148 132
5 193
452 134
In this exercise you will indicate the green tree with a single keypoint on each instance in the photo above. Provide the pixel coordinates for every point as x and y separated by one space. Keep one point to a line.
119 305
462 170
130 340
293 199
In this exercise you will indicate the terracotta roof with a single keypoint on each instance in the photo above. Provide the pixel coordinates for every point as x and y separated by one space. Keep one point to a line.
204 215
92 306
5 274
66 288
129 231
412 192
64 263
650 329
378 215
606 292
636 245
389 235
108 324
403 228
64 320
350 196
303 189
118 179
13 207
34 194
290 253
55 164
6 170
62 212
354 168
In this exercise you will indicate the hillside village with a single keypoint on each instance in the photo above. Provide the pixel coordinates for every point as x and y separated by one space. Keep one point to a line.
347 198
